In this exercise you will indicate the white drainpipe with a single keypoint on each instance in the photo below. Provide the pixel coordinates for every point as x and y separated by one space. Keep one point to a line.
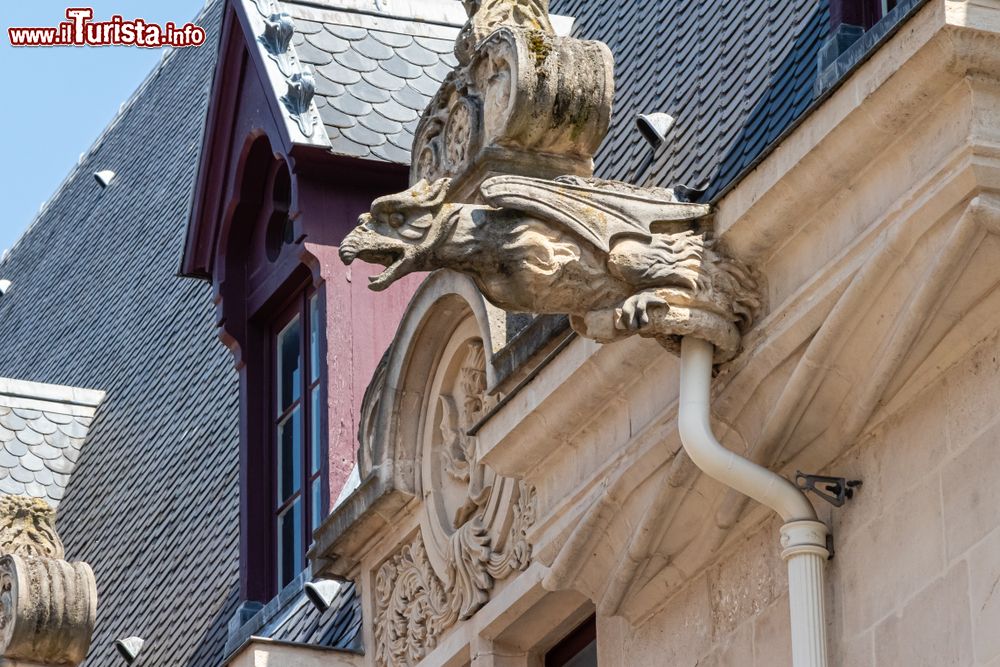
803 537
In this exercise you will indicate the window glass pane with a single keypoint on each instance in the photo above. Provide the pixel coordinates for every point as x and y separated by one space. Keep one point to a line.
316 433
291 553
290 455
314 346
317 503
289 365
585 658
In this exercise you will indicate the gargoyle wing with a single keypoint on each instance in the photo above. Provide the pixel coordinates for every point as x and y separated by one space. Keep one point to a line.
597 214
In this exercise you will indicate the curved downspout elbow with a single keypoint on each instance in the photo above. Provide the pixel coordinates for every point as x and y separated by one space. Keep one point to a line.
723 465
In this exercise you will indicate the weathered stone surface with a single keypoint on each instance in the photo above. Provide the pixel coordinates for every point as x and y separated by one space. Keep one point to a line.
618 259
28 528
48 608
476 527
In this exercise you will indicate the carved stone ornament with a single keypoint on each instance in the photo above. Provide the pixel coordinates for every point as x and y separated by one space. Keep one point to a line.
523 99
618 259
475 529
48 606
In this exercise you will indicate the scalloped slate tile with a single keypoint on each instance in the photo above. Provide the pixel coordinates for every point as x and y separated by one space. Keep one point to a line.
352 33
364 136
365 75
394 39
372 48
327 41
340 74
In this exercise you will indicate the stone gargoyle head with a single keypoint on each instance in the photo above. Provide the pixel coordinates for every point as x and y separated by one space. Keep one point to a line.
400 233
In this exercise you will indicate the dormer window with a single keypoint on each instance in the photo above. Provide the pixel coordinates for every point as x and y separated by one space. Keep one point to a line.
298 441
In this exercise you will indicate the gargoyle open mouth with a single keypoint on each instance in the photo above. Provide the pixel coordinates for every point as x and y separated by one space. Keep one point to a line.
397 264
395 260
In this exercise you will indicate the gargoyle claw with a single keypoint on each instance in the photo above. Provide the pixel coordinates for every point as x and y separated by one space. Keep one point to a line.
633 314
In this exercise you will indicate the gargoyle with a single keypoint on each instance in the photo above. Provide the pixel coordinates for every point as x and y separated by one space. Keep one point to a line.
618 259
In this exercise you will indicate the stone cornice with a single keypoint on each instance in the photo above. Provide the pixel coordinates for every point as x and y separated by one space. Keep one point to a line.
944 44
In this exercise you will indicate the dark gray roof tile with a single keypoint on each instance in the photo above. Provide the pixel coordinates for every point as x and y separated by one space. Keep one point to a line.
351 105
340 74
311 55
401 68
336 117
391 153
345 146
380 78
410 98
372 48
439 46
366 92
425 85
354 60
378 123
326 88
364 136
393 110
307 27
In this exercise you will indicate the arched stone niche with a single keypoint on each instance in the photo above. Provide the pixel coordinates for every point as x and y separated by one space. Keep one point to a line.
469 526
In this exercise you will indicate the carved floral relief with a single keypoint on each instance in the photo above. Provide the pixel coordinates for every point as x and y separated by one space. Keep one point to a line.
475 531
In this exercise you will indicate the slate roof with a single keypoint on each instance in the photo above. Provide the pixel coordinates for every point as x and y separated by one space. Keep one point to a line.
292 617
42 430
374 75
95 302
733 74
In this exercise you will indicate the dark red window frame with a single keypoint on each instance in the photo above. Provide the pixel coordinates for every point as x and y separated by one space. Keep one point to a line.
861 13
573 644
300 412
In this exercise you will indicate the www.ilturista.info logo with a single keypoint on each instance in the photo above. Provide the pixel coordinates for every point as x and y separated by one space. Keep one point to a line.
81 30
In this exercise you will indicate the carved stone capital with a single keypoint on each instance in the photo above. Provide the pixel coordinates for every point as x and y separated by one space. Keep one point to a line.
522 100
48 606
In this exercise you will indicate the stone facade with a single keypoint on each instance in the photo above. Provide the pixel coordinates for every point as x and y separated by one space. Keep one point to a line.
870 233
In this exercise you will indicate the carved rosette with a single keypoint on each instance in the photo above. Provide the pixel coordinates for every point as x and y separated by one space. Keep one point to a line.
475 531
525 97
48 606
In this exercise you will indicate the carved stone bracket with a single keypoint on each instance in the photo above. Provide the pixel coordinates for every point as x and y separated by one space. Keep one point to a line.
48 606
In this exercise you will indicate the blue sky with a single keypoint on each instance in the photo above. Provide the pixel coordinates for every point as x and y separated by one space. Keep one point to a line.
57 101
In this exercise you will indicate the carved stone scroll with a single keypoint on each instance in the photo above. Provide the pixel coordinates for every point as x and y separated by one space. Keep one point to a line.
48 606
